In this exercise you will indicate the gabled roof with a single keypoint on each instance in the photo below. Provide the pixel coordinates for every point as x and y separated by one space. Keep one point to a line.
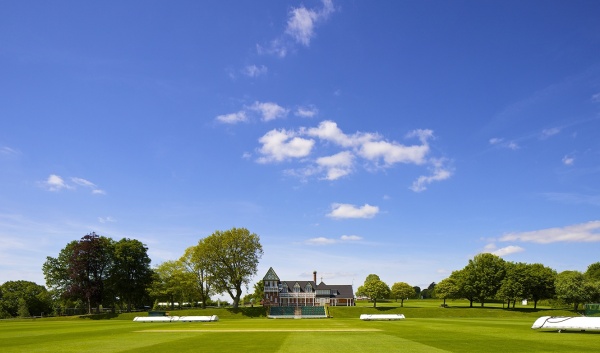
271 275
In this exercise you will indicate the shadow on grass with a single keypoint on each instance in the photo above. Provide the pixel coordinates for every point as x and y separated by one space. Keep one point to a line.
104 316
249 312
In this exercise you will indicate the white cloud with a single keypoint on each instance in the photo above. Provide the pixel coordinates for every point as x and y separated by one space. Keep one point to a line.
88 184
330 241
83 182
350 238
547 133
7 151
337 165
568 160
255 71
306 112
596 97
585 232
232 118
269 111
496 141
302 21
300 28
369 146
106 219
344 210
440 172
329 131
55 183
393 152
321 241
280 145
508 250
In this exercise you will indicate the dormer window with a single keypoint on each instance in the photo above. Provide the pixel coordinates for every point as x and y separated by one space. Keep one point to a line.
308 288
296 288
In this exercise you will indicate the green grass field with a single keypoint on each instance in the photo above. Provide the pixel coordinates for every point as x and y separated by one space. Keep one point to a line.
427 328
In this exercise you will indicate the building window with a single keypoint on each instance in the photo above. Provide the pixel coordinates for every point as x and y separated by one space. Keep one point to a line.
308 288
296 288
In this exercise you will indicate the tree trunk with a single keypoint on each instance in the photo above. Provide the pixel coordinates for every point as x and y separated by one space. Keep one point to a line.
470 303
374 303
402 303
535 304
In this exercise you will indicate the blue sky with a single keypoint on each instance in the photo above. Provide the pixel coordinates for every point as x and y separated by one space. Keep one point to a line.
399 138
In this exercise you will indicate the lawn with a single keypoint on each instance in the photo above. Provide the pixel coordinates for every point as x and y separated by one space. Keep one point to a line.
425 329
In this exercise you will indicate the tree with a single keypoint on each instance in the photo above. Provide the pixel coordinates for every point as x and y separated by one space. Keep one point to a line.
515 283
417 294
572 288
233 257
402 290
24 298
445 289
131 274
196 262
593 272
88 269
465 288
374 288
485 273
171 282
540 283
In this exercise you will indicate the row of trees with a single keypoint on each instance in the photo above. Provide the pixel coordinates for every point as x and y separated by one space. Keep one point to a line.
97 271
100 271
224 262
489 277
24 299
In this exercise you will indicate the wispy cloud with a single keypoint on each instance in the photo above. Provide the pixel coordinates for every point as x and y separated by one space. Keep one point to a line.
306 112
331 241
106 219
265 111
300 29
57 183
568 160
505 251
344 210
232 118
439 171
511 145
269 110
547 133
8 152
585 232
255 71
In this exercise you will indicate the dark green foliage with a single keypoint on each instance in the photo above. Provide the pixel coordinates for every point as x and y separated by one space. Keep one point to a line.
24 298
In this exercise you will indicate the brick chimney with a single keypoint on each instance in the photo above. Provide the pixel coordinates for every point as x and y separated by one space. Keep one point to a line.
315 276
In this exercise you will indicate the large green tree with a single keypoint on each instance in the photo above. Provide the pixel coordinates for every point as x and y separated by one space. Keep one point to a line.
374 288
172 283
196 262
485 273
464 286
446 289
24 298
402 290
540 283
131 274
233 257
573 288
515 283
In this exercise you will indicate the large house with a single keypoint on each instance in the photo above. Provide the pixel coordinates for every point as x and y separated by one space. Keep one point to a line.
305 293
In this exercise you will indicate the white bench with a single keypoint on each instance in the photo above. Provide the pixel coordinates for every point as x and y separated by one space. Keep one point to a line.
176 318
369 317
